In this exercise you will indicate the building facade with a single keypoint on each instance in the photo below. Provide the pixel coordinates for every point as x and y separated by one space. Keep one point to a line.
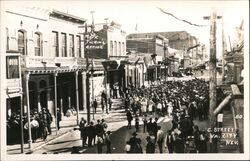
44 61
192 53
106 45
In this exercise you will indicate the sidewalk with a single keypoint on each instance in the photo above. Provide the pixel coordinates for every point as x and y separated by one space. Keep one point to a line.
68 124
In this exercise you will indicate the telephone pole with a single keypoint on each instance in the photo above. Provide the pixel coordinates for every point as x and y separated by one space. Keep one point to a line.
213 77
223 51
213 80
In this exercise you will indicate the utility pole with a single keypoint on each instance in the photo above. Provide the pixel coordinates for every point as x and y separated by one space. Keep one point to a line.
213 78
165 61
223 51
87 91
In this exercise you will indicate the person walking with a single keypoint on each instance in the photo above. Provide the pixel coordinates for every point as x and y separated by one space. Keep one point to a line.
91 133
150 147
135 144
44 124
95 104
137 124
169 141
99 144
155 128
49 121
108 142
83 131
144 119
59 118
160 138
129 119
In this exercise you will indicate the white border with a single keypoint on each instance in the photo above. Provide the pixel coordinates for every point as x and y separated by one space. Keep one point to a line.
208 156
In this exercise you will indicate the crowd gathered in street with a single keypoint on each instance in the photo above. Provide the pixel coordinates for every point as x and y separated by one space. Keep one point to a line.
182 101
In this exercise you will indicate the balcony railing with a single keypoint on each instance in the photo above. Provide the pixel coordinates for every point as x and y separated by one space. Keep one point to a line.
36 61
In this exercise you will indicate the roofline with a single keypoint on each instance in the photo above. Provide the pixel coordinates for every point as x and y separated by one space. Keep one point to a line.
82 20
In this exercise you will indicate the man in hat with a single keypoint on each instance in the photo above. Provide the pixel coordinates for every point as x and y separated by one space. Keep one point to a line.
155 127
129 118
83 130
135 144
150 147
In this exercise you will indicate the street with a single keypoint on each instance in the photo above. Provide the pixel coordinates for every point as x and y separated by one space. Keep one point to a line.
118 139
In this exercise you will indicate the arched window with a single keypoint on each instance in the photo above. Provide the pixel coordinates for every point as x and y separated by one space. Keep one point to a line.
38 44
111 48
22 43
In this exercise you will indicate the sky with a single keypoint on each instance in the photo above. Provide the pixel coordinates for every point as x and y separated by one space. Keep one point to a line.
148 18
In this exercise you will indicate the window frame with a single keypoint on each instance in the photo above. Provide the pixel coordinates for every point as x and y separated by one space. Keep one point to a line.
55 44
38 44
71 45
78 47
24 46
64 45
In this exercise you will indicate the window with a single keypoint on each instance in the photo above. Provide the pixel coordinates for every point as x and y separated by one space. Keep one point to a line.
71 46
55 44
7 39
119 49
123 49
38 44
12 67
22 44
111 48
115 49
78 46
64 45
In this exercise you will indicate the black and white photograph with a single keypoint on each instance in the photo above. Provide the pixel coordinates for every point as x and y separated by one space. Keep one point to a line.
117 78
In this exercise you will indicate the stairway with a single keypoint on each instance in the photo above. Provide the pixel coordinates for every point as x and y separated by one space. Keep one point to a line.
228 143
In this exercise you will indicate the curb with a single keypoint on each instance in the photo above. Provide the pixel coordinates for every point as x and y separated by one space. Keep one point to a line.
50 141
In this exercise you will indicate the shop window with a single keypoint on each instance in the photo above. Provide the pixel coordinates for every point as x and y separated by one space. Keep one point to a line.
12 67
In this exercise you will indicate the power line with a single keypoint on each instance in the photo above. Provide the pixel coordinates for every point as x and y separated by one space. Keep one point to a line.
180 19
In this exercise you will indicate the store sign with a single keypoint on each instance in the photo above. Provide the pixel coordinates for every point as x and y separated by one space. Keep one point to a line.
12 66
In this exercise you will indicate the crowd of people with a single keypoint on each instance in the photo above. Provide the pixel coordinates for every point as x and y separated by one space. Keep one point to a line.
95 134
40 124
182 101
